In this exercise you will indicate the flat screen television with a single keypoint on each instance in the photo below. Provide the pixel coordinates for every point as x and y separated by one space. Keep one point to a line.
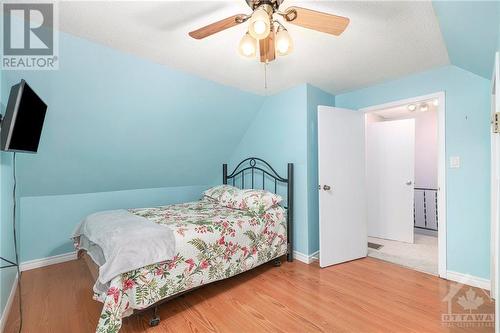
22 125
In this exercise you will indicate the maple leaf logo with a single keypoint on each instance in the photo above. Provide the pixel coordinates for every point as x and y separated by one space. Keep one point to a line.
470 301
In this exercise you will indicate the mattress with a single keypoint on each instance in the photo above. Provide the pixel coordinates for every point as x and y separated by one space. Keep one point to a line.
212 243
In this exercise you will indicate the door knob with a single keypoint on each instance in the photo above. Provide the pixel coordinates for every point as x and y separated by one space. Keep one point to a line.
326 187
409 182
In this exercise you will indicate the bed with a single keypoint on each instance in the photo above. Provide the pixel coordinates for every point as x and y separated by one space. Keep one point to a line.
213 242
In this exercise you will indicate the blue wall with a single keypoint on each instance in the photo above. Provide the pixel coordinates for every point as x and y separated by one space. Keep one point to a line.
498 16
49 221
315 97
119 122
285 130
470 46
7 275
278 134
467 136
115 123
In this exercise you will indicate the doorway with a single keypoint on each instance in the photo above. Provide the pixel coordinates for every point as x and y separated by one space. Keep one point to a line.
402 182
426 219
344 192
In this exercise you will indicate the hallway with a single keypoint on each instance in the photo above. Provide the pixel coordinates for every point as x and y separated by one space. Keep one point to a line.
421 256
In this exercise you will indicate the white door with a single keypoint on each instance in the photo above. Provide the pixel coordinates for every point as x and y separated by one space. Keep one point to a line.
341 163
390 168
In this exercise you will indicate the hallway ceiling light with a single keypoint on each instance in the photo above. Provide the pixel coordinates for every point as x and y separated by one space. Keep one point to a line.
411 107
424 107
435 102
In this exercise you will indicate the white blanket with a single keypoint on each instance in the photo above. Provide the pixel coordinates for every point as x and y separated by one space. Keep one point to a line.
127 241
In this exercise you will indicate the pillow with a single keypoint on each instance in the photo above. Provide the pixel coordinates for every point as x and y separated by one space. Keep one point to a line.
256 201
221 193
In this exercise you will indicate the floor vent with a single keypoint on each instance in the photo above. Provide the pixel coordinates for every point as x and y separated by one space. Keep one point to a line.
374 246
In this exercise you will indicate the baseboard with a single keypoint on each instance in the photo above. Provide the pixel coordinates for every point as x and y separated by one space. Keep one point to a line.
37 263
470 280
306 258
8 305
425 232
26 266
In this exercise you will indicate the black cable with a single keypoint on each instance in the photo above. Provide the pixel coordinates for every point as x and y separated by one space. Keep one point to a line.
15 242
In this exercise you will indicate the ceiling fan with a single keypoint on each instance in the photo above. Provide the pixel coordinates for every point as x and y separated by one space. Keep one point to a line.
268 32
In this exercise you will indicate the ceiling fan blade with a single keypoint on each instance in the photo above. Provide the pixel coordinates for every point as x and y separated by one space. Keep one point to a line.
218 26
311 19
266 48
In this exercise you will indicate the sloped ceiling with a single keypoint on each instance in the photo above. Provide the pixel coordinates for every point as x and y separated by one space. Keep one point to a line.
471 32
498 43
119 122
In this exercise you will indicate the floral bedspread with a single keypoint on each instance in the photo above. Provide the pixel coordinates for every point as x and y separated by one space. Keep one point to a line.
212 243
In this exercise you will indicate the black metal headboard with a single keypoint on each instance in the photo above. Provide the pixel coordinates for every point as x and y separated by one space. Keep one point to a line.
254 167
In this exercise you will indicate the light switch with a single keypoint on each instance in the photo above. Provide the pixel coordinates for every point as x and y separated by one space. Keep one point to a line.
455 162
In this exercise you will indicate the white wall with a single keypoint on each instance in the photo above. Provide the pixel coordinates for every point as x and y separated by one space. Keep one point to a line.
426 149
426 166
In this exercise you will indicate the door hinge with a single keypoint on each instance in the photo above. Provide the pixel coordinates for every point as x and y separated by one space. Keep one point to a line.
495 122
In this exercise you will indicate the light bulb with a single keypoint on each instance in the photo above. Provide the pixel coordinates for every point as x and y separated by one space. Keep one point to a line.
259 27
284 43
248 46
424 107
259 24
435 102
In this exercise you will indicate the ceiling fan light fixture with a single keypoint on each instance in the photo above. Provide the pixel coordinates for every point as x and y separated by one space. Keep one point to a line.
284 43
248 46
259 25
267 36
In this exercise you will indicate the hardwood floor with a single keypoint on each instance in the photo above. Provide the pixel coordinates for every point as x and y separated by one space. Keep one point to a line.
365 295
